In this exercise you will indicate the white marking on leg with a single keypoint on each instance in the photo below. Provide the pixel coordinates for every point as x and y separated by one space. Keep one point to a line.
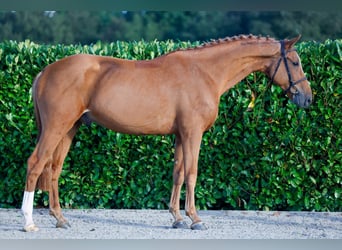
27 209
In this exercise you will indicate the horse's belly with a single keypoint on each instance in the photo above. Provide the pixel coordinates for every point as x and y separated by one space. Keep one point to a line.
135 122
135 107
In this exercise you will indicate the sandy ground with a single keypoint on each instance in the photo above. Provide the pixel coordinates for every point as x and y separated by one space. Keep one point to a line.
156 224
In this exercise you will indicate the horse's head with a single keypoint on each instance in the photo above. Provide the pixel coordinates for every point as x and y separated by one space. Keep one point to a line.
286 71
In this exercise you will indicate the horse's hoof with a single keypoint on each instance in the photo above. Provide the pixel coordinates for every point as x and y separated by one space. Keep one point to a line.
31 228
198 226
63 224
180 224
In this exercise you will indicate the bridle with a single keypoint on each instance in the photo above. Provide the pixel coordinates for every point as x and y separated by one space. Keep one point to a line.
283 57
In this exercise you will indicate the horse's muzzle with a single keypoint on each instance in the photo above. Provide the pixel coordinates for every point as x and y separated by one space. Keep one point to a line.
302 100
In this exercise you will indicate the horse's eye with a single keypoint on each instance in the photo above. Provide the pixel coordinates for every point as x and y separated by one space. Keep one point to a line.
295 63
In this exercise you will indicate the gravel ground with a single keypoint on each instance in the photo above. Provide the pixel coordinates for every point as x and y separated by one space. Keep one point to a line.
156 224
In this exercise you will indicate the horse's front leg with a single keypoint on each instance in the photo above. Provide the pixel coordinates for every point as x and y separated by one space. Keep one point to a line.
178 180
191 148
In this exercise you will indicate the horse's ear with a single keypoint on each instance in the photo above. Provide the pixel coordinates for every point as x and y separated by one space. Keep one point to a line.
290 43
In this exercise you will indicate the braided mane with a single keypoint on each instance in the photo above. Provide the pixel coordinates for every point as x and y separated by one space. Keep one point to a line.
225 40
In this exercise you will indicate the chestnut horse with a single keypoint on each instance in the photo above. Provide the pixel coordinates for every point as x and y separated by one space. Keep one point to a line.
177 93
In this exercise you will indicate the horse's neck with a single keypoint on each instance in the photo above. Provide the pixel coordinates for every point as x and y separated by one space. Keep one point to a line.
228 64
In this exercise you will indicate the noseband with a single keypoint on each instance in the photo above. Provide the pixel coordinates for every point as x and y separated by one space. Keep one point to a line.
283 57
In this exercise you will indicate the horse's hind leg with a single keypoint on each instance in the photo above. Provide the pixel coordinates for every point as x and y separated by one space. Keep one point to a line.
40 158
27 204
57 164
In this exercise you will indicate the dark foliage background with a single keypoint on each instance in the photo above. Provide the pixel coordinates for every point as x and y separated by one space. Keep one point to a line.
85 27
275 157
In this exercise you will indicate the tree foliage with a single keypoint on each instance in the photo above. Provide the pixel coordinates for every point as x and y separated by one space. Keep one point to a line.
88 27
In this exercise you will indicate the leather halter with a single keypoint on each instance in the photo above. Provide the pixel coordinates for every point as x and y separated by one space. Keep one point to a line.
283 57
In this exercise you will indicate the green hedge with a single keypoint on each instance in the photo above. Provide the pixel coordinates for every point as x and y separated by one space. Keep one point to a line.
275 157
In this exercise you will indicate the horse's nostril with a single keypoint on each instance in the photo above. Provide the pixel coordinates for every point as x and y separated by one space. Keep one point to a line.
308 101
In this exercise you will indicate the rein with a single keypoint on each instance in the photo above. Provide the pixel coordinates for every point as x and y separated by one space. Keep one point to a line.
283 57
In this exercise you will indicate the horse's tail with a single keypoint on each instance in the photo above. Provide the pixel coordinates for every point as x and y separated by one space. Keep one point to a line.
35 105
45 179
